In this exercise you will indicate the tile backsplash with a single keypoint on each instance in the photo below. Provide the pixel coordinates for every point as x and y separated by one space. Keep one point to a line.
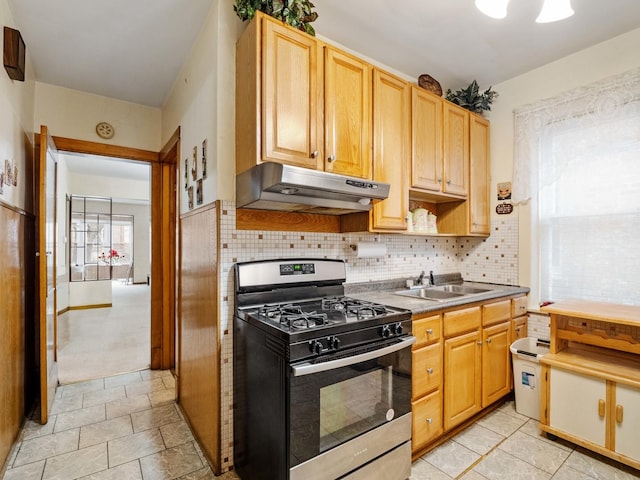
492 260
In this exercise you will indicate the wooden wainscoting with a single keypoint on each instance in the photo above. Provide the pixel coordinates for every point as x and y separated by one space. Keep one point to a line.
17 320
199 345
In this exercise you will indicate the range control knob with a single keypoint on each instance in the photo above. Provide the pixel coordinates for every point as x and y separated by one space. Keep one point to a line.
315 346
386 331
333 342
397 328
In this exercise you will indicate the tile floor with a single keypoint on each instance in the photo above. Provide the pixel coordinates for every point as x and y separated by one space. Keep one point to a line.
127 427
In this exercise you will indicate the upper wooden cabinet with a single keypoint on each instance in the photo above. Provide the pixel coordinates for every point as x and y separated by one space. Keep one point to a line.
300 102
347 114
456 149
479 209
291 96
426 140
391 138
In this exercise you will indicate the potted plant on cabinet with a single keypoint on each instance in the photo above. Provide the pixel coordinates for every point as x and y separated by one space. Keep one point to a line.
471 99
297 13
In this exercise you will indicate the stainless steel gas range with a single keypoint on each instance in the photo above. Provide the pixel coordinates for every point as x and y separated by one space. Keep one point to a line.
322 382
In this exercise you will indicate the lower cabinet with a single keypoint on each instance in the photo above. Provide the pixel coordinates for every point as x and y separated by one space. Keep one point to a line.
462 375
427 419
496 368
584 407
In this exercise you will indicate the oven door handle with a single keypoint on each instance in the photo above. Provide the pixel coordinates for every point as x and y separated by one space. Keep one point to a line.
309 368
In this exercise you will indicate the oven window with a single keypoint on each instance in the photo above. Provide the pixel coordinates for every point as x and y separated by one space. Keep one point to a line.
335 406
343 408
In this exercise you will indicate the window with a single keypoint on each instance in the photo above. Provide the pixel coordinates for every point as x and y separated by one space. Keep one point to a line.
90 238
583 154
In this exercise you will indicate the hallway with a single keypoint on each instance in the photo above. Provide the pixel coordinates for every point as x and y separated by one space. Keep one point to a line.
102 342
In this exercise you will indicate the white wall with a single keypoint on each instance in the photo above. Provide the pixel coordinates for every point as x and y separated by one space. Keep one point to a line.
606 59
16 124
74 114
141 237
202 103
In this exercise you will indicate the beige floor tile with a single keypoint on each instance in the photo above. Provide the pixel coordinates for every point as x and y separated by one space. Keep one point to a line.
169 382
171 463
132 447
156 417
203 474
124 379
47 446
499 465
479 439
144 387
128 405
532 427
175 434
104 431
30 471
78 418
598 467
33 429
502 423
76 464
128 471
451 458
162 397
81 387
67 402
103 396
472 475
151 374
568 473
422 470
536 452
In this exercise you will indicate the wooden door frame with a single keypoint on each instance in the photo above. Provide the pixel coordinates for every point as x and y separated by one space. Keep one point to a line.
163 233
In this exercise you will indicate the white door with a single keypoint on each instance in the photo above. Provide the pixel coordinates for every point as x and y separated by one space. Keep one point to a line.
627 421
576 405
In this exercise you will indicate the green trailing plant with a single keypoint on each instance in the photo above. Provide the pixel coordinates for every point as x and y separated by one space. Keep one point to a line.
297 13
471 98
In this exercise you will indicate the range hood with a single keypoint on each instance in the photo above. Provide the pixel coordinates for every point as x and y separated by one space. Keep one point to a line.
274 186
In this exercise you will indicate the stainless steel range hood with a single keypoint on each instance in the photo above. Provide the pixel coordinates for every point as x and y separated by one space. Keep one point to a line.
274 186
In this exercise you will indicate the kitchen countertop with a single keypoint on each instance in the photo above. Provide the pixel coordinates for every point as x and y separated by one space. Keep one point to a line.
383 292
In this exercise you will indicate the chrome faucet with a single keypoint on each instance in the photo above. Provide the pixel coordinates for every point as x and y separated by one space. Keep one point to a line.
420 279
431 281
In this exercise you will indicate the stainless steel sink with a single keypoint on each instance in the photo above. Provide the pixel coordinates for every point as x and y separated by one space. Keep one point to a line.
463 289
429 294
442 292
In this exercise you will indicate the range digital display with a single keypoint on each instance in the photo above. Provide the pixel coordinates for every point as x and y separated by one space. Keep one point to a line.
297 269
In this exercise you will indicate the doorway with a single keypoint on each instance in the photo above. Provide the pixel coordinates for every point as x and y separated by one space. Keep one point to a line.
104 298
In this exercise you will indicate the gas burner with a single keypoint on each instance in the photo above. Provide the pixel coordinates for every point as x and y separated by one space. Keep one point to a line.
307 320
276 312
367 310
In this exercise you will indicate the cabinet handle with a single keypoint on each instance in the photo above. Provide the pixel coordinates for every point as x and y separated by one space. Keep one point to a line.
601 408
619 413
429 421
488 340
429 331
332 158
448 182
314 154
517 329
480 342
429 371
440 180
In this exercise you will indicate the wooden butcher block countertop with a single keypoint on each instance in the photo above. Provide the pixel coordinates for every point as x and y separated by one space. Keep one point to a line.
599 311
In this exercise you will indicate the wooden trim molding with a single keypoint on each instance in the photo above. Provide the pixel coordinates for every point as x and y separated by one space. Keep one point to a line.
250 219
88 307
169 153
104 149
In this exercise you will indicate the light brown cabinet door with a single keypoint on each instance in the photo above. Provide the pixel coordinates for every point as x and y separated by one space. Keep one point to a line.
426 370
496 371
479 211
347 114
426 140
427 420
391 116
462 378
456 149
291 97
519 328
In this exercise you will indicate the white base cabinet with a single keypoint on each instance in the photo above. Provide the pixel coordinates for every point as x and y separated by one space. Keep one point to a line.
627 421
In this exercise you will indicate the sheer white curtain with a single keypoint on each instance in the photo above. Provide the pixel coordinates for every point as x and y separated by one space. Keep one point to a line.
578 163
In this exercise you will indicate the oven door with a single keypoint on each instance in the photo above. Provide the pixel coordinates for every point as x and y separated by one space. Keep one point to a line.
347 394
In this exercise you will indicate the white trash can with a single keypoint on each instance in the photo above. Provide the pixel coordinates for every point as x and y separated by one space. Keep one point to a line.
526 354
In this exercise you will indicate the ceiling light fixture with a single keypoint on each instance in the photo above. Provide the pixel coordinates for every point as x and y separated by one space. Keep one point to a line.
552 10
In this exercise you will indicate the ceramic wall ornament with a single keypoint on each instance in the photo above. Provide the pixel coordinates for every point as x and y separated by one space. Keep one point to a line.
186 173
194 167
199 194
190 197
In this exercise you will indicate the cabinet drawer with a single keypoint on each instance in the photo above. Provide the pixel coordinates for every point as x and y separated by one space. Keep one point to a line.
519 306
519 328
427 420
460 321
426 330
496 312
426 370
